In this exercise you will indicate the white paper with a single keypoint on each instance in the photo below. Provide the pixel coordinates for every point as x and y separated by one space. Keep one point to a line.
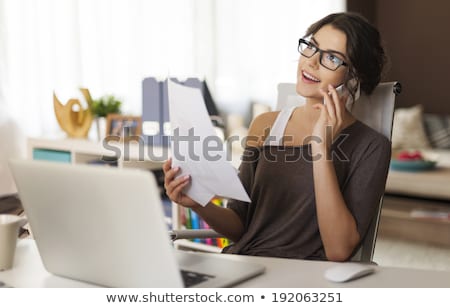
209 177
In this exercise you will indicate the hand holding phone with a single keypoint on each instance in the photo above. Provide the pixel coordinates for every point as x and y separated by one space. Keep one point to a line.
341 91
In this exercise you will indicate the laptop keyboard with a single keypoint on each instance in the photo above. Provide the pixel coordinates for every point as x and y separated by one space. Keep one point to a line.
192 278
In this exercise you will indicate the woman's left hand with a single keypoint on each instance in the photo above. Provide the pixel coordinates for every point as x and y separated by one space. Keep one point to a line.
331 119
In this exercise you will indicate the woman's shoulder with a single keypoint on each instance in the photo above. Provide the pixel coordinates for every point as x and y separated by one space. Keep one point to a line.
260 128
369 133
364 138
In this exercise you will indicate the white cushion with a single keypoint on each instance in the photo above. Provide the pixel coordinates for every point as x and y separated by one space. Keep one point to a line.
440 155
408 131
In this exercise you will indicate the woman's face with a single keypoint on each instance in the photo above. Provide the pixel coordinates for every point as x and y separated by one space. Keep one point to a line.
311 75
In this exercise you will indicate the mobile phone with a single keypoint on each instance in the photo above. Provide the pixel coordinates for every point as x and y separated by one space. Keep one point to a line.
341 91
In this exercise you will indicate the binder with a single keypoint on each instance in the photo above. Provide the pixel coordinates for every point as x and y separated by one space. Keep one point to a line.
165 118
156 128
209 102
151 111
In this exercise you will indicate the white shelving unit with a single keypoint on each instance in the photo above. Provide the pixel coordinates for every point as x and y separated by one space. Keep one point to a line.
81 151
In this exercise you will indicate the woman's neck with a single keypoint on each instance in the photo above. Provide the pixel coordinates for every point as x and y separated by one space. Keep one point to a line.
310 112
313 114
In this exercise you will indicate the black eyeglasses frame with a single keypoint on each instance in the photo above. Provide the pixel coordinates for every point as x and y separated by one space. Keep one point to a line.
321 52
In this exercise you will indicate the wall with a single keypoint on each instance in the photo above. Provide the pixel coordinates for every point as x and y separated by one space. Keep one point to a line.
416 37
366 8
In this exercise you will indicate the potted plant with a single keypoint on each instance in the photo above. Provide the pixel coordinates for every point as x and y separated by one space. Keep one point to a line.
100 108
105 105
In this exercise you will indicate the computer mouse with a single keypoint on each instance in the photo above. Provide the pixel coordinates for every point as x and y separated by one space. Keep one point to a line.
348 271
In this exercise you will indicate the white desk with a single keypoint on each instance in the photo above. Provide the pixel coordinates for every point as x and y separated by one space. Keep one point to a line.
280 273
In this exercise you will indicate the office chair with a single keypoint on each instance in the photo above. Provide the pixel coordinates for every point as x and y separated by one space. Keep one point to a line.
376 111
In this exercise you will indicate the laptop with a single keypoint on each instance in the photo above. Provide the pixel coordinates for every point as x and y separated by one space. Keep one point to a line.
106 226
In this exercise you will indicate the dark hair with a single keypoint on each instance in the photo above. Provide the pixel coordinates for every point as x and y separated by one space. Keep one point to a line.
364 50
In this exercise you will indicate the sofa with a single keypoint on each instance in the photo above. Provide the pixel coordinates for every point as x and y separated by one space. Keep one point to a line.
417 204
427 133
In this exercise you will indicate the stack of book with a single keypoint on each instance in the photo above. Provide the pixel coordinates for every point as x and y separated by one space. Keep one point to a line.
190 220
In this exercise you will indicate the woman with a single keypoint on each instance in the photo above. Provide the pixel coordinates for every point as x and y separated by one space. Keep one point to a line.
314 191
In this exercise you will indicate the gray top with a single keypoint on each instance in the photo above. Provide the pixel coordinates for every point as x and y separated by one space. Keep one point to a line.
281 219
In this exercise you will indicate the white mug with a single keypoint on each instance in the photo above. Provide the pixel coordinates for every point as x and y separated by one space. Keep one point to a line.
9 230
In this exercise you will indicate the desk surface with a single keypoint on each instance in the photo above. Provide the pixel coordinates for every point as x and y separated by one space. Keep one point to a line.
28 271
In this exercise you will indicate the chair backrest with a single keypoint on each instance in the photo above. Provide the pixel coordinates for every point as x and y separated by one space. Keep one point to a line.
376 111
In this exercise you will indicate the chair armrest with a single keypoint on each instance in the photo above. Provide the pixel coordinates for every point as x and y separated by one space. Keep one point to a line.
192 234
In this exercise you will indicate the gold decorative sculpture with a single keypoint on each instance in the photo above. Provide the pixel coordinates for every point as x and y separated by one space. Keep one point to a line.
75 123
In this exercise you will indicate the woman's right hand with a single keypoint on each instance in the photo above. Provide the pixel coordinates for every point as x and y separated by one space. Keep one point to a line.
174 186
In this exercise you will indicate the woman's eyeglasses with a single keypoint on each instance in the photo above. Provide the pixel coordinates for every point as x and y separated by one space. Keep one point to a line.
328 59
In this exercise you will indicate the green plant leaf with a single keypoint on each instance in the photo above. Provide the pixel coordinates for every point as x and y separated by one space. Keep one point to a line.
105 105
